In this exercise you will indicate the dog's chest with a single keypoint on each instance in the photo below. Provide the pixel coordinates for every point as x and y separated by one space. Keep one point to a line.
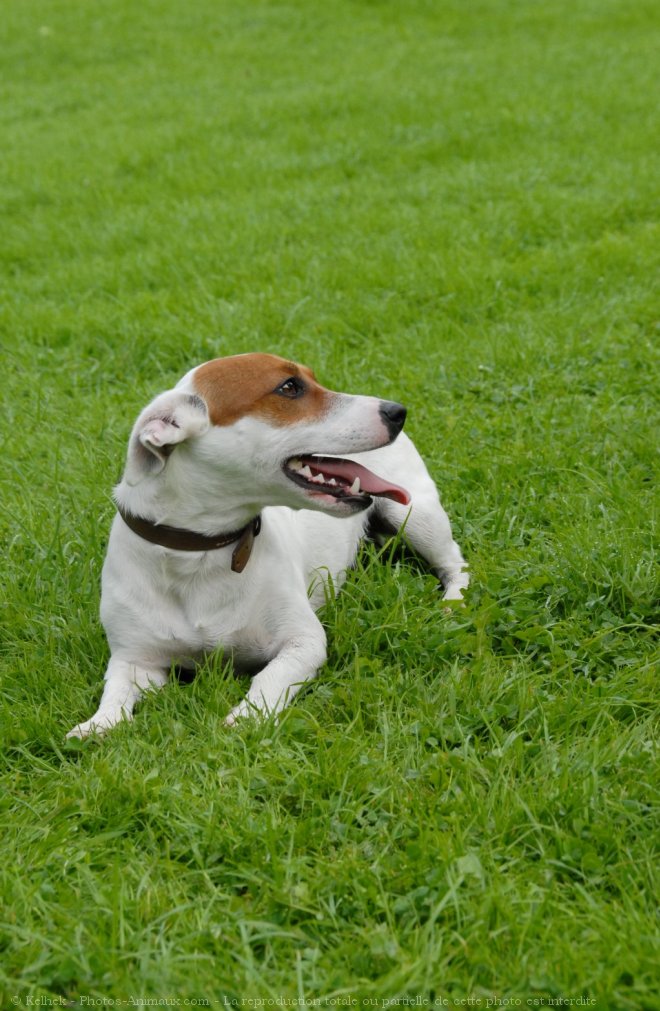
249 645
202 623
203 617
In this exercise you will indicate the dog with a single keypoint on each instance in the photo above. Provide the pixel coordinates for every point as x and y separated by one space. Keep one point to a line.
246 493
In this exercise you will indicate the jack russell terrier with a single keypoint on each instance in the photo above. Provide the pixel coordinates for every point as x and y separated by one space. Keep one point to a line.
242 496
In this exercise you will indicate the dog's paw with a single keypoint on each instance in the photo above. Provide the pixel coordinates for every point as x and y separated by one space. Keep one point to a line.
452 596
244 710
239 712
96 725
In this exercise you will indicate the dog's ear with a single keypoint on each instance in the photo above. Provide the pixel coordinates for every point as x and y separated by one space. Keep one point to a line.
171 418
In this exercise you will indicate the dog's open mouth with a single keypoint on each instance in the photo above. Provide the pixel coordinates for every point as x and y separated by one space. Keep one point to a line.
342 479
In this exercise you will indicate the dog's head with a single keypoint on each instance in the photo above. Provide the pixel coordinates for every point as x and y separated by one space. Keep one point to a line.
262 426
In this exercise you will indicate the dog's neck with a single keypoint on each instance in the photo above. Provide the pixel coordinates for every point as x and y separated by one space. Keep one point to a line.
175 499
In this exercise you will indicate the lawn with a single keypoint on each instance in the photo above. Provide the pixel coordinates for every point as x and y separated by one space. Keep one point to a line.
453 205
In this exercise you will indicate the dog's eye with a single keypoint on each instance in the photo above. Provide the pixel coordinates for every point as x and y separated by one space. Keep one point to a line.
291 388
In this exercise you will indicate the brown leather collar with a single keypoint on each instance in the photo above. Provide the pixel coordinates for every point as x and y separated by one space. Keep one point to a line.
188 540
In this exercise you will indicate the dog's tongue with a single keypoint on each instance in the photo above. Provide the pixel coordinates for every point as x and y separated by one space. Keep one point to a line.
348 470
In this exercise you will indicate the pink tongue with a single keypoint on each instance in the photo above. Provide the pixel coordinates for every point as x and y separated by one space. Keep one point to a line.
331 466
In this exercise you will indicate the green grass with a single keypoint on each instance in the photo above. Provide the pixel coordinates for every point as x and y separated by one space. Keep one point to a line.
450 204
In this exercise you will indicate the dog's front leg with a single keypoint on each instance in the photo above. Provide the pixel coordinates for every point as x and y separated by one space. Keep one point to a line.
125 682
273 688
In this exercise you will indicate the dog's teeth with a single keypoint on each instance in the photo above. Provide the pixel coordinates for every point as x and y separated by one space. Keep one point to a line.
295 464
332 481
318 479
355 487
306 472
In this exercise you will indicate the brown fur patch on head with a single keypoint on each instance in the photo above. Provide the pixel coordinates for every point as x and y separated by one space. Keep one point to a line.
246 385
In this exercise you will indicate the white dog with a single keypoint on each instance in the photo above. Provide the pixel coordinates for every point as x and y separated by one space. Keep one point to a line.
227 515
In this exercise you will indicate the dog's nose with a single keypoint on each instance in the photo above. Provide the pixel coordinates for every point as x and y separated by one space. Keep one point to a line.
393 415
